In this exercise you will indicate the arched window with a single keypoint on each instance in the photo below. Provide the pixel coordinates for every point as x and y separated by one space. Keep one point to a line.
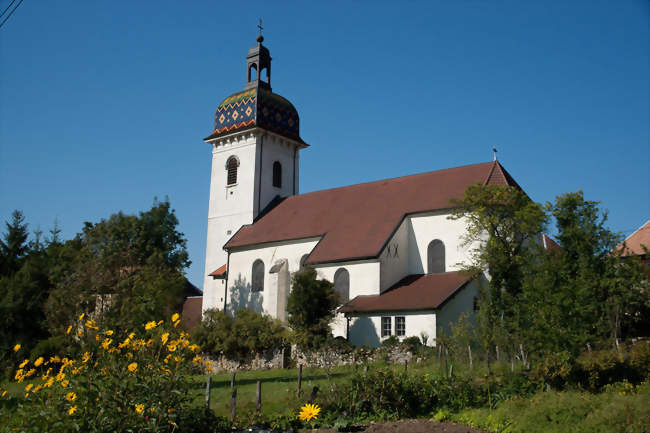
231 168
342 284
252 72
277 174
303 259
258 276
436 257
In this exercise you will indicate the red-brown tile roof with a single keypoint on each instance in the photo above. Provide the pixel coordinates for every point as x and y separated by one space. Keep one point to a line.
220 272
633 243
550 244
412 293
355 221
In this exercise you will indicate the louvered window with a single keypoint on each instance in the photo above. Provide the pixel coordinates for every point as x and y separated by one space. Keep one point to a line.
231 167
277 174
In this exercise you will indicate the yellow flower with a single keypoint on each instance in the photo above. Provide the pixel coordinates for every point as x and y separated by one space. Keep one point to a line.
64 383
24 363
171 348
86 357
175 317
164 337
107 342
49 382
150 325
139 408
90 324
80 333
28 387
60 377
71 396
4 393
309 412
38 361
197 360
81 317
17 347
69 329
176 323
72 410
133 367
109 333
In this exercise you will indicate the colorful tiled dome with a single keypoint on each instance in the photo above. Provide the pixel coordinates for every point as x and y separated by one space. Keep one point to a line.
256 107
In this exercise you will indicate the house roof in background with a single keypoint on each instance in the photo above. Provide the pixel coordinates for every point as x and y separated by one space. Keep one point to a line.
412 293
633 243
220 272
355 221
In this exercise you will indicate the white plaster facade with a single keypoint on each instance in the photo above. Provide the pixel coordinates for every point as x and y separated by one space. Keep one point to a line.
232 206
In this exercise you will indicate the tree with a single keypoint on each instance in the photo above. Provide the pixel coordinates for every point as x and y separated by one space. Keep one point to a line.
14 246
502 225
126 269
311 307
584 292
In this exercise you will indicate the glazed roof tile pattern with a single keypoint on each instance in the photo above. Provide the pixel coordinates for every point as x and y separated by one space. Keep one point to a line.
356 221
412 293
256 107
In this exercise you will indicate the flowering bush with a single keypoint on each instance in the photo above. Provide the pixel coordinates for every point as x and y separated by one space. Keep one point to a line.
134 380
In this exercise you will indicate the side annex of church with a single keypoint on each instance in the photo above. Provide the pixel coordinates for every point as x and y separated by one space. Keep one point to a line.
387 246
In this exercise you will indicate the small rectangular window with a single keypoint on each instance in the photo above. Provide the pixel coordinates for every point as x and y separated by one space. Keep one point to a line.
400 326
386 326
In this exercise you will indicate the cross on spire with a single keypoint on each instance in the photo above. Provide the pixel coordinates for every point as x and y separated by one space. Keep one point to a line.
259 26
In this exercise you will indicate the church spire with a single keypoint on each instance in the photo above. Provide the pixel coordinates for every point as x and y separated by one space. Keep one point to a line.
258 64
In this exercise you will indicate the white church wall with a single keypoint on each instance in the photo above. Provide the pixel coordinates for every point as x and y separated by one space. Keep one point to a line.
230 206
275 148
394 258
240 294
364 280
366 329
461 302
423 229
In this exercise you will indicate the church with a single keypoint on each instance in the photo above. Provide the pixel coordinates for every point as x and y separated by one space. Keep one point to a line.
387 246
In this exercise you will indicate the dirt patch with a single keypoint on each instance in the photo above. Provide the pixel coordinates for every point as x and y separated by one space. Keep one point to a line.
410 426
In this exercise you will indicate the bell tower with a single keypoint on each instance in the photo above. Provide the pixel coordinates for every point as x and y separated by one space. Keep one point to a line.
255 157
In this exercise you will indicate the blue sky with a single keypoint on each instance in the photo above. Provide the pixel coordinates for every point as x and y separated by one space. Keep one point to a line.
103 105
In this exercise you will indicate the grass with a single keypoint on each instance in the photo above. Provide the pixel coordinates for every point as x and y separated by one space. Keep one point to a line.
279 388
614 410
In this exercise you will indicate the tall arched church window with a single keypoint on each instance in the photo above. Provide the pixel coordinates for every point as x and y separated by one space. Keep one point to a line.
277 174
436 257
231 168
258 276
342 284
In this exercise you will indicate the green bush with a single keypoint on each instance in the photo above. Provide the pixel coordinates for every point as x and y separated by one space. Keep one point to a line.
241 337
51 346
412 344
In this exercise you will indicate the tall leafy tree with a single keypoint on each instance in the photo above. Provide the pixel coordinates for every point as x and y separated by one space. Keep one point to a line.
124 269
502 225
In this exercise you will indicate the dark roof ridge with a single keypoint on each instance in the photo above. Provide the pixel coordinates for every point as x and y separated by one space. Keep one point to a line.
389 179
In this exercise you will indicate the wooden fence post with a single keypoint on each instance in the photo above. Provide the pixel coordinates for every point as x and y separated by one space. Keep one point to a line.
233 404
469 350
232 380
497 348
406 365
299 379
208 383
259 396
312 397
